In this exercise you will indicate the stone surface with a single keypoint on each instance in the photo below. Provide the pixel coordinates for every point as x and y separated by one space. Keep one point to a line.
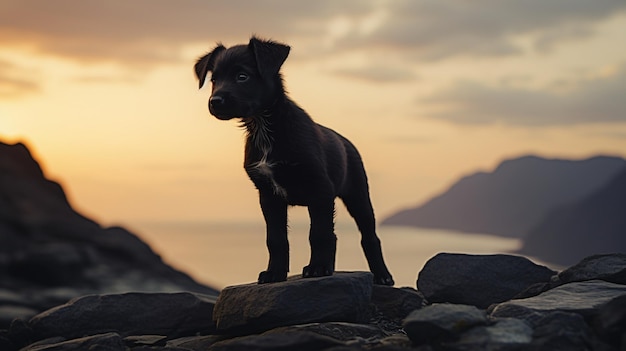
503 334
395 304
611 321
175 314
564 331
107 341
584 298
478 280
342 297
608 267
442 321
301 341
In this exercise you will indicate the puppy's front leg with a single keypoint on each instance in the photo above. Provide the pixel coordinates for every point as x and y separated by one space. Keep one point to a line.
322 239
275 213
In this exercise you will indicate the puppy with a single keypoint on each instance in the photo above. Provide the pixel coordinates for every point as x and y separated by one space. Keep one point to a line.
290 159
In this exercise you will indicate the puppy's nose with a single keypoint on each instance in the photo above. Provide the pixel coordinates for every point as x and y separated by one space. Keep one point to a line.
216 101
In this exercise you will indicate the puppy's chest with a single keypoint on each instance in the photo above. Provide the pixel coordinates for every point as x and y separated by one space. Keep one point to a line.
266 170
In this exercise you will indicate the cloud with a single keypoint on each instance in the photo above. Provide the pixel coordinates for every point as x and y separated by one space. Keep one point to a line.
434 30
140 34
377 73
154 31
14 81
592 100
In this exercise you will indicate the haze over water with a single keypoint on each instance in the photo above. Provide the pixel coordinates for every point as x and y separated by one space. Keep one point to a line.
228 253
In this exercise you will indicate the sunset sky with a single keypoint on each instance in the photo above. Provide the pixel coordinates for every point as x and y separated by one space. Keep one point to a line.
103 92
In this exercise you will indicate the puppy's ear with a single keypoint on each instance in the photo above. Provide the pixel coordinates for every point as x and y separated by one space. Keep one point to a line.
269 56
205 64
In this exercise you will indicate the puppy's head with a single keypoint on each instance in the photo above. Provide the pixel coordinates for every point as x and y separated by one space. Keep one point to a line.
245 78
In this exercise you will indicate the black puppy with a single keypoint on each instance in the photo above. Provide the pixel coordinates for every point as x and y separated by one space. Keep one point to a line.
291 159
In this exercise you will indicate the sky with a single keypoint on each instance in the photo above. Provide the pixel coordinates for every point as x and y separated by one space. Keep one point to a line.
103 93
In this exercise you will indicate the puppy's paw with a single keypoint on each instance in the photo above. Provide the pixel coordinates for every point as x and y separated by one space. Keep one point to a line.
385 279
316 271
272 277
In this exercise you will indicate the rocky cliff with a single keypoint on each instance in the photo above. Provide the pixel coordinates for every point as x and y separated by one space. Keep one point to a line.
49 253
513 198
597 224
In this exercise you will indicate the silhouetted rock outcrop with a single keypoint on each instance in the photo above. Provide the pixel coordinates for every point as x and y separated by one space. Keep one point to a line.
578 310
49 253
478 280
596 224
513 198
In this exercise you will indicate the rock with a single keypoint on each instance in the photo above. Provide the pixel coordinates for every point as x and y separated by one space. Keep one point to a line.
107 341
194 342
342 297
607 267
504 334
583 298
442 321
301 340
611 322
478 280
395 304
563 331
145 340
337 330
176 314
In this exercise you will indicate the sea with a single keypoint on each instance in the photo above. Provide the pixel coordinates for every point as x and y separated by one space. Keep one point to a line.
224 253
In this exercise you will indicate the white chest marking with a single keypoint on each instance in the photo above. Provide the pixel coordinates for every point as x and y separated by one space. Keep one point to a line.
265 168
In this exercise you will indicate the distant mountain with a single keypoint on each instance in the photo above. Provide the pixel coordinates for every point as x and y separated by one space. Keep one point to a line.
513 198
594 225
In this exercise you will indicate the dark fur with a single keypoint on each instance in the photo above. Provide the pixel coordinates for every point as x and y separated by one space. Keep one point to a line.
291 159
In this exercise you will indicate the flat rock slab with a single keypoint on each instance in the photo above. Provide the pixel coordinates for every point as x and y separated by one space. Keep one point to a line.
253 308
172 314
479 280
584 298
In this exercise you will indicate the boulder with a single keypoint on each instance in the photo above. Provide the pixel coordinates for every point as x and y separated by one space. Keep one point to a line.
342 297
439 322
175 314
479 280
584 298
607 267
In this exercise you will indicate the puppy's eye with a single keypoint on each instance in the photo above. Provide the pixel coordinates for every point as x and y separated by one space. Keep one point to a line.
212 79
242 77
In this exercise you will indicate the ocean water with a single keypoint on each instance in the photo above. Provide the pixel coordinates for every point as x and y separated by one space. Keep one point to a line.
228 253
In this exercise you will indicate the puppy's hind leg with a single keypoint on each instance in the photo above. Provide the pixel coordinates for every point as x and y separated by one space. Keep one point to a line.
322 239
275 213
359 206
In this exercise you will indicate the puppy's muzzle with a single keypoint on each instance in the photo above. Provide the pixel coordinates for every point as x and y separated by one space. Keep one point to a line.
216 102
217 106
